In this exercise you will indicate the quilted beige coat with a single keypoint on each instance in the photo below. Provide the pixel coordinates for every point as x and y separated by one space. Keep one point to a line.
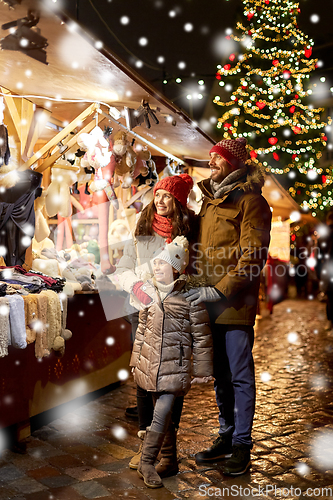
167 335
233 245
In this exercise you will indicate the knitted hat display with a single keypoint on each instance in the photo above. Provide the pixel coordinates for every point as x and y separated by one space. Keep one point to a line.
177 185
175 253
233 150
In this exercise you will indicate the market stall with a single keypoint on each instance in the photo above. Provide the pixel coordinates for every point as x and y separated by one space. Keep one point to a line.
83 164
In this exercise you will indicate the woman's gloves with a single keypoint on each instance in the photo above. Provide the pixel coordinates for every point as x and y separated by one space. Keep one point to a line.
138 291
203 294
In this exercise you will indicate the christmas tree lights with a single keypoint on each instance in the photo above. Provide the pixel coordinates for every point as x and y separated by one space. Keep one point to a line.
270 97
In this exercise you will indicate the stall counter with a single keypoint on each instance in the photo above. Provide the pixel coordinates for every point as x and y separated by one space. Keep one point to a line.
97 355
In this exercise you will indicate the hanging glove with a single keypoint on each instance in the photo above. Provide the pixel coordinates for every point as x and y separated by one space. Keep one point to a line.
140 294
203 294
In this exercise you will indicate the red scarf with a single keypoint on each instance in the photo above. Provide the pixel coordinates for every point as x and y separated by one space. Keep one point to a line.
162 226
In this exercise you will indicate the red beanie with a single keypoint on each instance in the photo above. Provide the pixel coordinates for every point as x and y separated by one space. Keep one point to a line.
177 185
234 151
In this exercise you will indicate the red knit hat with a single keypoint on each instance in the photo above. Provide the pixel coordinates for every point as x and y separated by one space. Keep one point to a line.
233 150
177 185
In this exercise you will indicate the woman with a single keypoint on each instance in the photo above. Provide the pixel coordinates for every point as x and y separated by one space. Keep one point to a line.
162 220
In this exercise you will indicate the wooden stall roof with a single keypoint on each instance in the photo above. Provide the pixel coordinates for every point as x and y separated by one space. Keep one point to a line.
77 70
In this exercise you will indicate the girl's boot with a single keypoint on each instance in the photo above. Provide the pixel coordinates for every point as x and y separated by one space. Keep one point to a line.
168 465
136 459
146 470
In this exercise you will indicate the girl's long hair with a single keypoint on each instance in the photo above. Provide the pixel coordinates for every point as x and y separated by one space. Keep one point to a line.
183 221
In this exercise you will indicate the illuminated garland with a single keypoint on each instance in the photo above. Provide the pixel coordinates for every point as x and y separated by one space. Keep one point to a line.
269 102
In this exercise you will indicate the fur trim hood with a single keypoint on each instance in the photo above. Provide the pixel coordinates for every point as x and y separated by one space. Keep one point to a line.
255 178
253 182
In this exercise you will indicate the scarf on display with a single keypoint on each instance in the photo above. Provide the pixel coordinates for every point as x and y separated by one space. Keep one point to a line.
163 226
219 189
17 336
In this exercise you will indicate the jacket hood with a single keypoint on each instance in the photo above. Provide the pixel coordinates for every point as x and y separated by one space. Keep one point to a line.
252 182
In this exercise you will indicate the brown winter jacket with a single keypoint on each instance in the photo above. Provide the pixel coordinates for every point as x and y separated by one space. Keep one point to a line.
167 334
233 246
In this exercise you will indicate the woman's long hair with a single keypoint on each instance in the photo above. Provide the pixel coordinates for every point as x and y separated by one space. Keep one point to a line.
183 221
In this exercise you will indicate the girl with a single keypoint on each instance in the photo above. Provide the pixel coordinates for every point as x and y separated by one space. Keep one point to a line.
164 218
170 330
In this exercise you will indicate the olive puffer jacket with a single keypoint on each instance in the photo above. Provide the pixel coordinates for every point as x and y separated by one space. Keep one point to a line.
233 245
167 335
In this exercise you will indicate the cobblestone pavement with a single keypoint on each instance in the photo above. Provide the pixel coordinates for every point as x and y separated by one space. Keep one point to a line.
85 453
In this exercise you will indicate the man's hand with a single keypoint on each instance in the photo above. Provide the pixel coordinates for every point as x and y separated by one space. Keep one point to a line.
202 294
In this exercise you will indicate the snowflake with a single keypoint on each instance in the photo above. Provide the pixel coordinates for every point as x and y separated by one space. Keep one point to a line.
123 374
322 450
265 377
119 432
292 337
302 469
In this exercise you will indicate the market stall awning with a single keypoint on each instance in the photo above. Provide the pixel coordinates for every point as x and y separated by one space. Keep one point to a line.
77 70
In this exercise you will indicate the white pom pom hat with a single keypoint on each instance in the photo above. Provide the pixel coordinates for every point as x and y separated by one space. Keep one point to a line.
175 253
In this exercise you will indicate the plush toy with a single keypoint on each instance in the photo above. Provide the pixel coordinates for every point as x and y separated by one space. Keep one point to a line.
57 198
38 247
47 266
97 148
124 160
93 248
150 177
143 155
119 232
85 174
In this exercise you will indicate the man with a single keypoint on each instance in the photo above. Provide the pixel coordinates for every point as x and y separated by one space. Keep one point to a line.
232 249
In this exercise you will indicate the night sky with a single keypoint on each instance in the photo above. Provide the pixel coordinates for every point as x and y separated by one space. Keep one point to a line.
185 34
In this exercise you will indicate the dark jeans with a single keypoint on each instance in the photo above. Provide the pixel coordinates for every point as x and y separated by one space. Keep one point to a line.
234 380
146 408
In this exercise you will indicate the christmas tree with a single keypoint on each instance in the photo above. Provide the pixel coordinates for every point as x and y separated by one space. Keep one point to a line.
268 98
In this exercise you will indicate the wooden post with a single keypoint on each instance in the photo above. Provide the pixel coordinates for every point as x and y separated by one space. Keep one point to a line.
38 123
27 113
